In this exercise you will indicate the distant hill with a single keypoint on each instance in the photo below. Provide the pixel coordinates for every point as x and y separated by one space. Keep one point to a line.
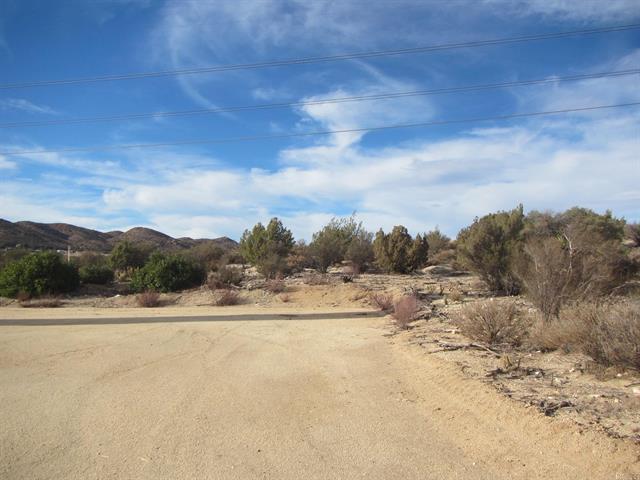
60 235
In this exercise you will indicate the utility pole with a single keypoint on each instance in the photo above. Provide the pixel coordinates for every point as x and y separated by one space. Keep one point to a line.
68 253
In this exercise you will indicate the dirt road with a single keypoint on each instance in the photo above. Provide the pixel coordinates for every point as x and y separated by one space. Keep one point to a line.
273 398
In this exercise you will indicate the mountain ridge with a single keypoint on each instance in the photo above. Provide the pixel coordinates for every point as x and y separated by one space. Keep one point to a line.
59 236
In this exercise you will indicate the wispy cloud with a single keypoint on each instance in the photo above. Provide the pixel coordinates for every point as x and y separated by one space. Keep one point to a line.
23 105
563 10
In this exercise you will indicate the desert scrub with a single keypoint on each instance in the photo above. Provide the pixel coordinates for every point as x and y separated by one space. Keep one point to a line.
608 333
275 285
225 277
44 302
227 297
405 310
492 322
148 299
382 300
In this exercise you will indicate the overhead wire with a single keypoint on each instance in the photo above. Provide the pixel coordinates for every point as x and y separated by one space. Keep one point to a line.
251 138
320 59
357 98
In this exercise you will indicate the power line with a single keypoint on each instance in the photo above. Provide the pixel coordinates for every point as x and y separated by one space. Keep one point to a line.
358 98
325 58
313 133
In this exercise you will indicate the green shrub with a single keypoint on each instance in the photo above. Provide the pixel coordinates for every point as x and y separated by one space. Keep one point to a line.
491 245
126 256
267 248
39 273
206 254
341 239
11 255
96 274
398 252
167 273
437 241
226 276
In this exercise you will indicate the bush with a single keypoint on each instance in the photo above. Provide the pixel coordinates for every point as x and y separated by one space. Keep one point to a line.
300 257
225 277
341 239
12 255
206 254
437 241
383 301
46 302
227 297
632 234
96 274
405 310
493 322
126 256
577 256
41 273
608 333
167 273
285 297
314 278
490 246
275 285
148 299
398 252
267 248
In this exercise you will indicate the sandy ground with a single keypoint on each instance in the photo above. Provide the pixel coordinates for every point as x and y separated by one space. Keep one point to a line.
270 398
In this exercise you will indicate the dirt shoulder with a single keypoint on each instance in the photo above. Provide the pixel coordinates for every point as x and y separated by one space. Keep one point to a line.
339 398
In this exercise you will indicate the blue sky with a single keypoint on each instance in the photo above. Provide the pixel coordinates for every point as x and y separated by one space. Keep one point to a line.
438 176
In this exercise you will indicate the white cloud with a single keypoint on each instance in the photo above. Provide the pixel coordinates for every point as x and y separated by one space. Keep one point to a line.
445 183
575 10
23 105
6 164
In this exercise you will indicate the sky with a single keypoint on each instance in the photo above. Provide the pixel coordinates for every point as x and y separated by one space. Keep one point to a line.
425 177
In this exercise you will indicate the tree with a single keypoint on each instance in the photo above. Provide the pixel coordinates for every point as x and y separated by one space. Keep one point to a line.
491 245
331 244
578 255
126 256
360 250
437 241
398 252
39 273
267 248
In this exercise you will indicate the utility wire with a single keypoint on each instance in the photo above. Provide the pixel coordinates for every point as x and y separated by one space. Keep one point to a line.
320 59
313 133
379 96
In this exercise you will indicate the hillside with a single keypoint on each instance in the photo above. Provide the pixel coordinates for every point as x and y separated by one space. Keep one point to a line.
60 235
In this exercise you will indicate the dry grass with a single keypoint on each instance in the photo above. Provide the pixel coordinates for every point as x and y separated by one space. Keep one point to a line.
23 296
455 296
315 278
275 285
45 302
492 322
285 298
148 299
383 301
608 333
405 310
227 297
225 277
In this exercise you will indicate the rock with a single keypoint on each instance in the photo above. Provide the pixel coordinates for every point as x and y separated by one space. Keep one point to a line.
438 270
